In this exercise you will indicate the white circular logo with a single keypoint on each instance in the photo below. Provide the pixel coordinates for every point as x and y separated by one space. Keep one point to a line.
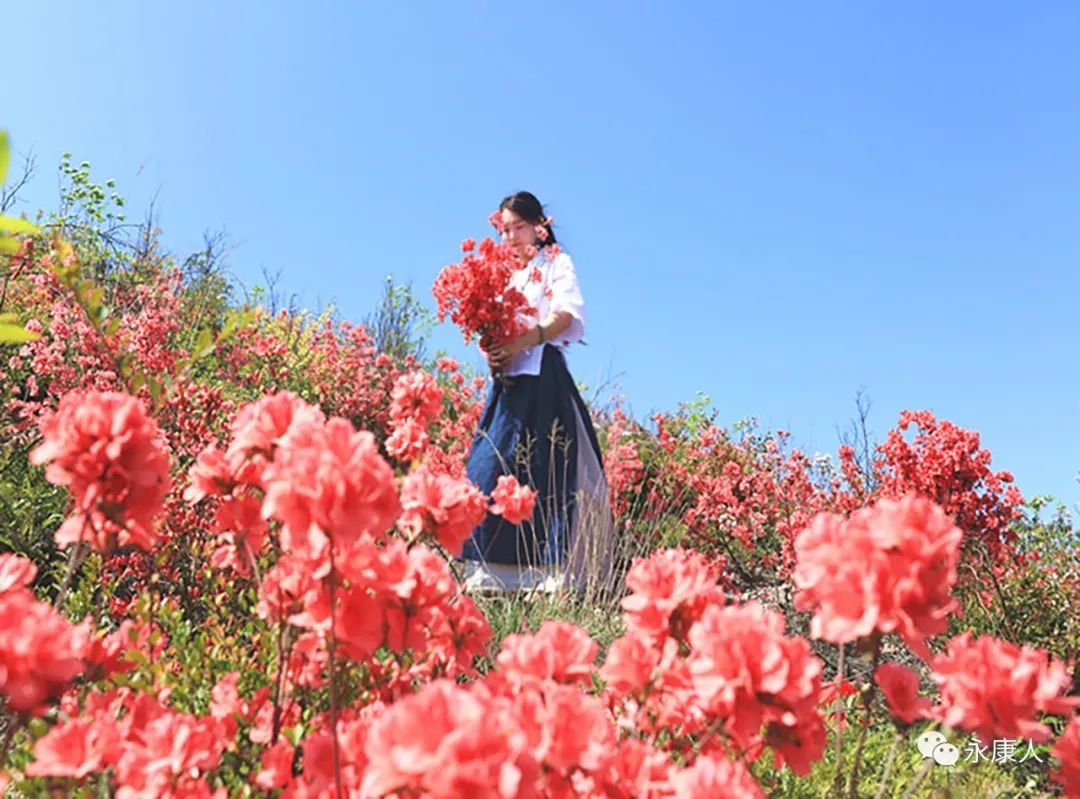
946 754
928 741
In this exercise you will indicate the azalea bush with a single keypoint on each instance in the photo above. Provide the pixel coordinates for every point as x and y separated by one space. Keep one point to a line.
1033 596
364 640
745 494
236 578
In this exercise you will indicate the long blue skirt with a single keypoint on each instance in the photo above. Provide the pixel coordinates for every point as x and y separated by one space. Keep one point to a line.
530 430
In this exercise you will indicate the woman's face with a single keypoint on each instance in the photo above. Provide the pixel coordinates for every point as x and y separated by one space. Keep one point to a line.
518 233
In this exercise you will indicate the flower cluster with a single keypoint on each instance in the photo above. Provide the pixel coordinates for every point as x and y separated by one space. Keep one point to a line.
478 296
416 402
511 500
887 568
150 749
999 690
41 652
946 463
112 458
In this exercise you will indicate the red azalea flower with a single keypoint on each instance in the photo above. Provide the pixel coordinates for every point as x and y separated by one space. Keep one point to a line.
711 777
448 508
511 500
901 688
112 458
997 689
558 652
478 295
889 567
669 591
1067 751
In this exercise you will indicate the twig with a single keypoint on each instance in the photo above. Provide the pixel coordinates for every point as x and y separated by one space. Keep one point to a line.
10 193
153 615
78 552
751 579
980 603
333 677
918 779
281 655
1004 602
887 772
9 736
838 782
254 561
868 707
853 777
709 733
278 687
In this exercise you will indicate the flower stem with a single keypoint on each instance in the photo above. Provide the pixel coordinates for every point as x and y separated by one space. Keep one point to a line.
75 557
714 728
333 677
868 707
853 777
9 736
919 777
887 772
279 680
838 782
254 561
281 658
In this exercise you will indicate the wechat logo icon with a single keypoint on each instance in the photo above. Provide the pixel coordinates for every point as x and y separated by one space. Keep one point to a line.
934 745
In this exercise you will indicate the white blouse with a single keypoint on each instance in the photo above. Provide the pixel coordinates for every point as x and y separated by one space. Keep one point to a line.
556 290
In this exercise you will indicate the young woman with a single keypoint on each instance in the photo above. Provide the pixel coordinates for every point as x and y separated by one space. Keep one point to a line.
536 427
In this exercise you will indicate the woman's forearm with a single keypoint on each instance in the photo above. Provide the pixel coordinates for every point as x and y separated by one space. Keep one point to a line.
554 326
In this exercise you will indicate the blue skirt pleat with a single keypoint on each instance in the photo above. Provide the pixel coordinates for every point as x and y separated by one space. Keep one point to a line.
529 429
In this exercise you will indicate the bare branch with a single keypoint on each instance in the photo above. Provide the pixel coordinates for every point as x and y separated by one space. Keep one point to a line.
9 193
859 437
607 382
273 299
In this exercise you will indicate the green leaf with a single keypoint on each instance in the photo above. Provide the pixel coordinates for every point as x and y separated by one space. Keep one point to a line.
8 246
16 334
94 296
237 320
5 154
155 391
182 366
204 346
13 225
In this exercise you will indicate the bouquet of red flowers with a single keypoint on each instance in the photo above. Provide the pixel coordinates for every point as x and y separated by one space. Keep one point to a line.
478 295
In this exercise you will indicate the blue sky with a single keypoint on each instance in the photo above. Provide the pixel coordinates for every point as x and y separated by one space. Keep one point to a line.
776 204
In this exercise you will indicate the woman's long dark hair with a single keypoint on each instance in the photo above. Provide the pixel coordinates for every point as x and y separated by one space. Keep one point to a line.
525 205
